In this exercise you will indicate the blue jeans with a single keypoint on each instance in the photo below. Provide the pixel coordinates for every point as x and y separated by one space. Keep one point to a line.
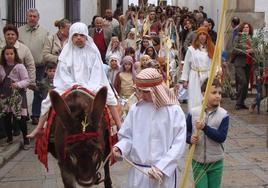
37 99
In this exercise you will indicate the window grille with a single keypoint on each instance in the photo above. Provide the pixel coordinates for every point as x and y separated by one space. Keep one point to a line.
17 11
72 10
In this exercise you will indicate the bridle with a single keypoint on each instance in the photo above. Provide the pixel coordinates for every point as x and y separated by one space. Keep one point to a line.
83 135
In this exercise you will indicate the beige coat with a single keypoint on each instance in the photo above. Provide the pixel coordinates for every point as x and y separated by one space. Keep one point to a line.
26 57
35 40
52 48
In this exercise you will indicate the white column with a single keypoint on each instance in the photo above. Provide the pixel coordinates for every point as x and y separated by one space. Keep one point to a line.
213 9
3 15
1 22
88 10
175 3
125 5
261 6
182 3
114 5
46 19
152 2
135 2
169 2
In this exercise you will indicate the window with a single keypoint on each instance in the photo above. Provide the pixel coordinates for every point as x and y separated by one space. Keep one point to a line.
17 11
72 10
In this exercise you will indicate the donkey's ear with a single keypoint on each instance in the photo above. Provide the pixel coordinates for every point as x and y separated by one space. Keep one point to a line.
99 104
60 107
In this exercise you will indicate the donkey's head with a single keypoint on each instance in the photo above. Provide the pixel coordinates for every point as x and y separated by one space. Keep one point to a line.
78 134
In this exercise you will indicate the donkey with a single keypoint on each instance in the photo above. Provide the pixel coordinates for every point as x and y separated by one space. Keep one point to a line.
81 140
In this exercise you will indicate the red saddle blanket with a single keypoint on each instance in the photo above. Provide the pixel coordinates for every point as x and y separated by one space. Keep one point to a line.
41 146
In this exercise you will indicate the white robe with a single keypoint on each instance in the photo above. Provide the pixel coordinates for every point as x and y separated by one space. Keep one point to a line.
119 53
80 66
195 60
153 137
182 93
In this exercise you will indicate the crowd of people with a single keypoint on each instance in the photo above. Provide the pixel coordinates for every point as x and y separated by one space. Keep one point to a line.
133 55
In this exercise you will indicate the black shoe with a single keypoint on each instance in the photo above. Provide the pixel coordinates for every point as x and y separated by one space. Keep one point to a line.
26 147
35 120
26 141
16 133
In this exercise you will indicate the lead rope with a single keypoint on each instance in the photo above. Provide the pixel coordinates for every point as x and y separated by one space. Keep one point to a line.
129 163
102 167
141 170
104 162
135 166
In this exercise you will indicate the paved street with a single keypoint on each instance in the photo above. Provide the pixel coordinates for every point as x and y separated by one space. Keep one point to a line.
246 159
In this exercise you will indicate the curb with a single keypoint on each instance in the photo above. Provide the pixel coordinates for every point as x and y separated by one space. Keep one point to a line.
9 151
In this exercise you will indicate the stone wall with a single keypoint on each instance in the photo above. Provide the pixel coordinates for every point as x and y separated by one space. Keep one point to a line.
262 6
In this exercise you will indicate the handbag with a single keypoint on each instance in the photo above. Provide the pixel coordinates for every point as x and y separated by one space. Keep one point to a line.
5 85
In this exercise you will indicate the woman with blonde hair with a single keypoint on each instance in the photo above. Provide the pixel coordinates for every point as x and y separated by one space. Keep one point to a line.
197 64
54 44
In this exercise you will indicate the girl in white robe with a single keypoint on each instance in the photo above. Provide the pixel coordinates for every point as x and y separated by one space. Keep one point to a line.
196 67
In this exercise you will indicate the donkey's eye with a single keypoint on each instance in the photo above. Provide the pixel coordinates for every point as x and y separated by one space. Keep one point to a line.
73 158
95 157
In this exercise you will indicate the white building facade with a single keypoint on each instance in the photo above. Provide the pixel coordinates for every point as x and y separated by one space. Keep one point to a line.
51 10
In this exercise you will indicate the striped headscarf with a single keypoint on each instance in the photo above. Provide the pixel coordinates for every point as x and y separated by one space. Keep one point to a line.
150 79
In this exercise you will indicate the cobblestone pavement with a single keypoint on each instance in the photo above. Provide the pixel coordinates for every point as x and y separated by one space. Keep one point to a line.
246 159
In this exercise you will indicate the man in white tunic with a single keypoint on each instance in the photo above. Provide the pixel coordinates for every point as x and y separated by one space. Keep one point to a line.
79 64
153 134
